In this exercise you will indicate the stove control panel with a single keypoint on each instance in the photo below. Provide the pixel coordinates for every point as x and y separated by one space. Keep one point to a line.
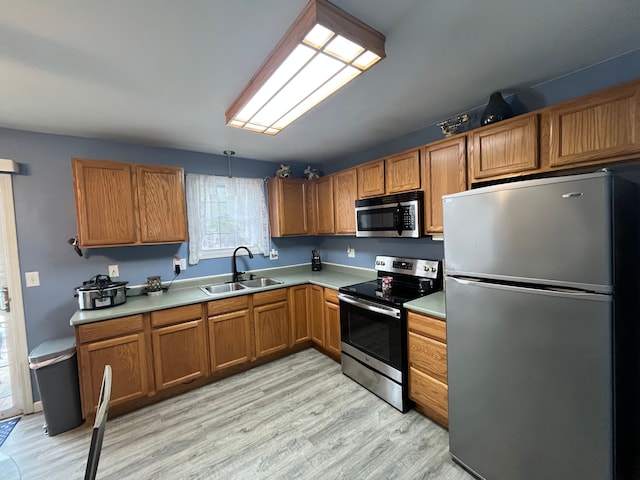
408 266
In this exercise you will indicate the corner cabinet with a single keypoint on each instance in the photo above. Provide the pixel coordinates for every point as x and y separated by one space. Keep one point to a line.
323 206
427 347
122 344
288 206
345 193
127 204
299 314
444 171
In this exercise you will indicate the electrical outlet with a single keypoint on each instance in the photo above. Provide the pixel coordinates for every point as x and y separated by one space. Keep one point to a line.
114 271
178 263
273 254
32 279
351 252
183 263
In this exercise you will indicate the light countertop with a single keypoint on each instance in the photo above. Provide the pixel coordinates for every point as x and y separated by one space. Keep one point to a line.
188 292
429 305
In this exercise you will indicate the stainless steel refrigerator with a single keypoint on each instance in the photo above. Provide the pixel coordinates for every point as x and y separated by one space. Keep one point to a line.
541 280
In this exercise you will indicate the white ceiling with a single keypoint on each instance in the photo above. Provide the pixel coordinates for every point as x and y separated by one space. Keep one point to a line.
163 72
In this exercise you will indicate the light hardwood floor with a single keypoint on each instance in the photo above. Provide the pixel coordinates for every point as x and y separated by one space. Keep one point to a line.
295 418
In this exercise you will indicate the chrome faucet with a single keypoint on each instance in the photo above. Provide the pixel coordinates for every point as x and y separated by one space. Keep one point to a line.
236 273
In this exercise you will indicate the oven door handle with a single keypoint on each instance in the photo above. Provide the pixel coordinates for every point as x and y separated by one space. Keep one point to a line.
372 307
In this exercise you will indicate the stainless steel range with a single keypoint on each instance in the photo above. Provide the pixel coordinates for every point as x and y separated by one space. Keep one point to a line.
373 324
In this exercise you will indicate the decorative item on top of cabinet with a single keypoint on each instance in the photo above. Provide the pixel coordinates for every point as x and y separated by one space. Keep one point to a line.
496 110
594 128
503 149
402 172
370 179
453 125
120 343
179 339
444 171
287 206
271 318
427 347
345 194
126 204
229 332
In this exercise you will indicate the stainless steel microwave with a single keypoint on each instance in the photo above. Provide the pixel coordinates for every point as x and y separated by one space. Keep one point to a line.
395 216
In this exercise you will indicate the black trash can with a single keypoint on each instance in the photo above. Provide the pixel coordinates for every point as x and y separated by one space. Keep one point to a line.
55 365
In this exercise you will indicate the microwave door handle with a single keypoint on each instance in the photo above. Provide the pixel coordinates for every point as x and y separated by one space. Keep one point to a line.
398 219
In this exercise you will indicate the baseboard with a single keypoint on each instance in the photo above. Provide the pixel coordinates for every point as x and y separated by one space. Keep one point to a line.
37 407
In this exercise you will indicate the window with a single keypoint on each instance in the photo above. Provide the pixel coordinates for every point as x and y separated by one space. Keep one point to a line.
225 213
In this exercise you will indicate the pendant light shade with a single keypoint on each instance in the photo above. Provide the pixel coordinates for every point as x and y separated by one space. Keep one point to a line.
323 50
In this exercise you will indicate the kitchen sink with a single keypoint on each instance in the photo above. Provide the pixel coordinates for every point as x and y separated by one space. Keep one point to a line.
222 288
260 282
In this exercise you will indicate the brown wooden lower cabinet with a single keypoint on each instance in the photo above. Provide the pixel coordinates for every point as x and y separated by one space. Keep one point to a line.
120 343
332 322
299 314
271 317
427 348
229 332
316 314
179 348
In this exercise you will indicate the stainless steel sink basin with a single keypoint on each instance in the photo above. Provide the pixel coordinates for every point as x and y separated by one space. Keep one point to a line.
222 288
260 282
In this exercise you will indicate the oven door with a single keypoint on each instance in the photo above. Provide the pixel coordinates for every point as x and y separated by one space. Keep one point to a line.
373 334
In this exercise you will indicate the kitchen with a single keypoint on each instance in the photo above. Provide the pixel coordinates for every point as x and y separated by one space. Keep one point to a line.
45 219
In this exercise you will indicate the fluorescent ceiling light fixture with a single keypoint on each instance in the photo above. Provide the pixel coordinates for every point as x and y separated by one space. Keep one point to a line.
322 51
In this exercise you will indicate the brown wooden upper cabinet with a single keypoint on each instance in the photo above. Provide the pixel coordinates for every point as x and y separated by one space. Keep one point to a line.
345 193
504 148
127 204
402 172
444 171
323 206
288 206
370 179
592 129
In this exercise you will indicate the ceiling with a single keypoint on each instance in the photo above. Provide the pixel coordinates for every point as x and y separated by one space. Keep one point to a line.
162 72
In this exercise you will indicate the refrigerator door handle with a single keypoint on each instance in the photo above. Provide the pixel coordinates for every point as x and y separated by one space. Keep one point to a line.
551 291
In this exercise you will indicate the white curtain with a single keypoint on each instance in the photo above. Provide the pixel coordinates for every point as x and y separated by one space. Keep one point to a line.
224 213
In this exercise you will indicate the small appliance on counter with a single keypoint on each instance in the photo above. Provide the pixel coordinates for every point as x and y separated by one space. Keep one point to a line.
316 262
154 286
100 292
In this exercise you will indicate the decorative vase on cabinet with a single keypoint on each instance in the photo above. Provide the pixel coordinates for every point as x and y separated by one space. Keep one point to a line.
497 109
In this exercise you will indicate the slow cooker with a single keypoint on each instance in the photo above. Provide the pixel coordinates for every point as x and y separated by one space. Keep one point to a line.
101 292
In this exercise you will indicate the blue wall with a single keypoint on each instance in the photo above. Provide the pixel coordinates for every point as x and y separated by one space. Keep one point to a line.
45 212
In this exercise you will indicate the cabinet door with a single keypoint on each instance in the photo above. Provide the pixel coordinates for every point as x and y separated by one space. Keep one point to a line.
179 353
287 206
345 192
230 339
272 328
507 147
161 204
431 394
444 171
371 179
323 206
128 359
402 172
316 313
602 126
332 326
310 195
104 203
299 314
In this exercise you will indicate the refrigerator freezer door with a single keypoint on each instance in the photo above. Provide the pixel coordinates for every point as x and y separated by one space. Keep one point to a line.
554 232
530 382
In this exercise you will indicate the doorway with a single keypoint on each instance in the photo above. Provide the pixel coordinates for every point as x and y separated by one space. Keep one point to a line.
15 382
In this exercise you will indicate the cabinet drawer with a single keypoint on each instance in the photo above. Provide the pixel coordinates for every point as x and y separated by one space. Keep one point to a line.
427 326
228 305
91 332
430 394
160 318
331 296
428 355
272 296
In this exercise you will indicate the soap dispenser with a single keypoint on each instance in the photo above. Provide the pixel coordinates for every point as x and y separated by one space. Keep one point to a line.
316 263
